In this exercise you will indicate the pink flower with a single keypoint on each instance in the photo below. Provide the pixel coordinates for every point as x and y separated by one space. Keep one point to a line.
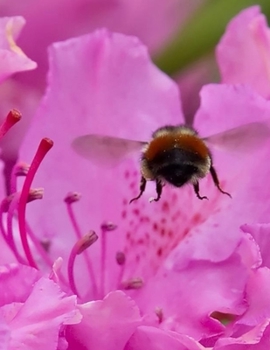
247 37
161 275
181 260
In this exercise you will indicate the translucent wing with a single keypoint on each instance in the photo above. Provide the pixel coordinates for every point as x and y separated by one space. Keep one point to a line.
243 138
103 150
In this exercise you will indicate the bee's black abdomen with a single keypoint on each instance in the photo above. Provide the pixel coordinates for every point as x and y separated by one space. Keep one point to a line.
177 175
176 166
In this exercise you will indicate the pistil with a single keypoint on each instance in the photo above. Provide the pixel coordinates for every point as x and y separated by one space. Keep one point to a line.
44 146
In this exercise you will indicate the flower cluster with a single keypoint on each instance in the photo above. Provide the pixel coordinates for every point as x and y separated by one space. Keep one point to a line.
84 269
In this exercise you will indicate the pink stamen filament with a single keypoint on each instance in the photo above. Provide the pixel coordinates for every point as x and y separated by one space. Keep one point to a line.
11 119
44 146
80 236
79 247
11 210
2 229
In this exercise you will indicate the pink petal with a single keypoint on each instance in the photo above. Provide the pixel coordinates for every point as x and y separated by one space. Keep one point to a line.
38 320
243 174
256 339
12 58
247 36
4 335
16 282
187 298
106 324
261 234
152 338
258 298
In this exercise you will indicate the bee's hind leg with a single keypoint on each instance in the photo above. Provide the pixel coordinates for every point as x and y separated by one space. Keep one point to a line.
142 189
159 186
216 181
197 190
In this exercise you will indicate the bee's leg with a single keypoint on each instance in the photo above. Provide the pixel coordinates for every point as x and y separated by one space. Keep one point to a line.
159 186
197 190
142 189
216 181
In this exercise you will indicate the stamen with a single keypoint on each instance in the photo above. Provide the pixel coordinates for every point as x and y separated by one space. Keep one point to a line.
159 313
44 146
11 119
79 247
73 197
20 169
105 227
121 260
133 283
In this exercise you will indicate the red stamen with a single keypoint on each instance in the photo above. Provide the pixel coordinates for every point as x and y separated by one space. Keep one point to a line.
11 119
44 146
79 247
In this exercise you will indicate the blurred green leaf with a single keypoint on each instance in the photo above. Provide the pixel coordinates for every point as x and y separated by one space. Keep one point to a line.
200 34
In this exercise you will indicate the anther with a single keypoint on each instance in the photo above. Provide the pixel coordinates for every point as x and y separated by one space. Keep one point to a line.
11 119
86 241
108 226
72 197
133 283
35 193
21 169
159 313
120 258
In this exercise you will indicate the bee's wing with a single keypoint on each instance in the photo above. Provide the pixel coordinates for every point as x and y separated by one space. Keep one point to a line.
103 150
247 137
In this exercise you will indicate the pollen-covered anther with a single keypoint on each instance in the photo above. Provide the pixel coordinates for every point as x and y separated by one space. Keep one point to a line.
159 313
11 119
35 193
120 258
133 283
86 241
21 169
108 226
72 197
